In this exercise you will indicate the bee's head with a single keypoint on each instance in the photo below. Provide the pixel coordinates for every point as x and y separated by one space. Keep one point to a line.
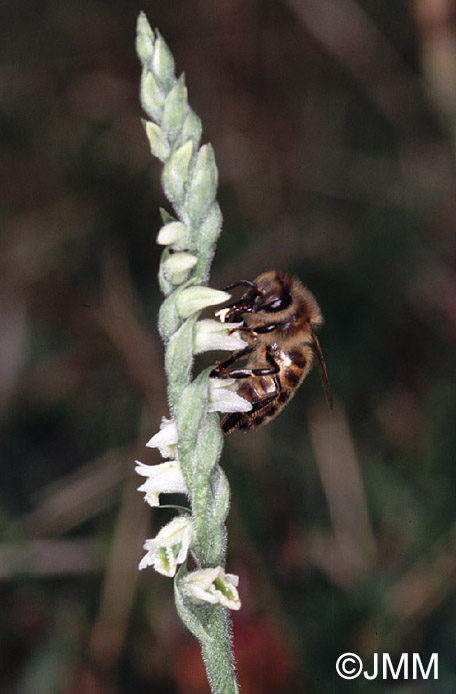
273 292
270 293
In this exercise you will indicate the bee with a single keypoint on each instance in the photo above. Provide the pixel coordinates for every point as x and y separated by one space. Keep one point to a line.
279 317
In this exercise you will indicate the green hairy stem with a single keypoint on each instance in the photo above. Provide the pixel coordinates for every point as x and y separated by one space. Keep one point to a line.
189 234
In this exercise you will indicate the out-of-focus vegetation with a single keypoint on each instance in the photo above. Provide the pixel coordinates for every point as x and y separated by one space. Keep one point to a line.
334 127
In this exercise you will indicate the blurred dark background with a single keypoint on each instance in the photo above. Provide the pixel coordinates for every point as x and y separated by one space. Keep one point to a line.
334 127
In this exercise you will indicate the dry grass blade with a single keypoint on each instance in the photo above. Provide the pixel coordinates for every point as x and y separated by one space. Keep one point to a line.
353 552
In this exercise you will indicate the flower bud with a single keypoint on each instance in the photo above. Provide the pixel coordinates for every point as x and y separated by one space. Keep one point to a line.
163 62
192 129
177 267
174 109
175 173
173 234
203 183
152 98
159 145
144 38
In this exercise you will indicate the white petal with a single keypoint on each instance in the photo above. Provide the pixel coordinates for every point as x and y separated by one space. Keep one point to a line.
165 478
211 334
196 298
223 399
165 439
170 547
212 586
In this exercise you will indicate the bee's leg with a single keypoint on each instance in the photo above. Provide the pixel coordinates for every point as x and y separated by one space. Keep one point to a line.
243 420
220 369
233 421
270 370
259 404
232 373
269 327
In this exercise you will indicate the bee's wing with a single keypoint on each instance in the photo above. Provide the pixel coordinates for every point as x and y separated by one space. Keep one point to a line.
323 371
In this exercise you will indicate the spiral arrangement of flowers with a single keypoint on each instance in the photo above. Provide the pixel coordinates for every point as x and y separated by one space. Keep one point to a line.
192 546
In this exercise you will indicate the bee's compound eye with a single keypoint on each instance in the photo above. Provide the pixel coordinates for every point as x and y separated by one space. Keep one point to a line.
276 303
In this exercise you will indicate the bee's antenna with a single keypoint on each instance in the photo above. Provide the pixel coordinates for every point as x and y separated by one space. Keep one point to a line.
244 283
